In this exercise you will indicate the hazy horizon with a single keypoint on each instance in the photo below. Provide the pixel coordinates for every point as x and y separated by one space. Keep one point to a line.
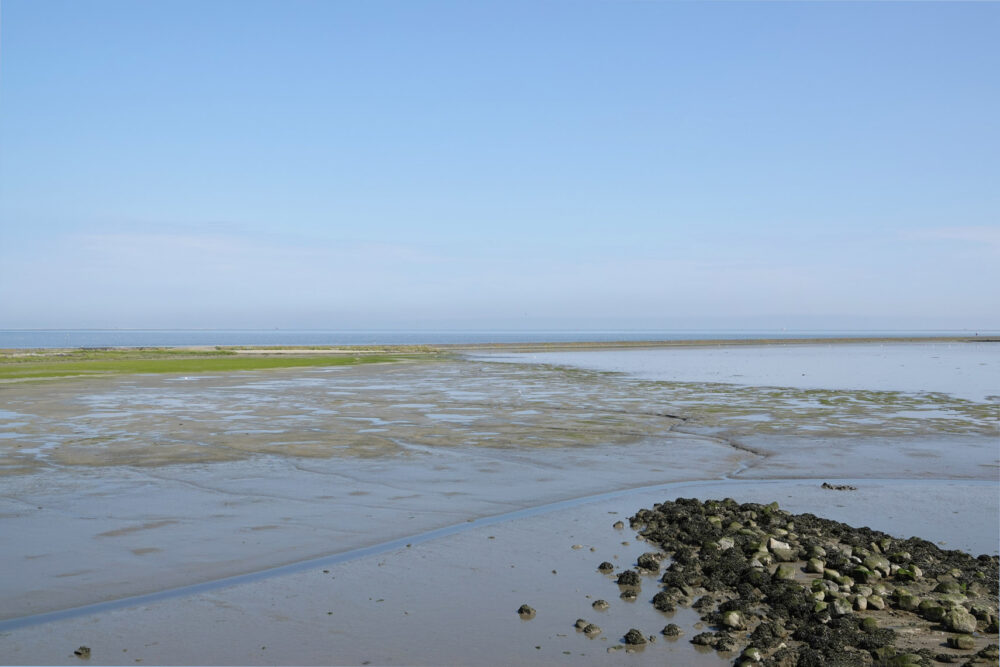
516 166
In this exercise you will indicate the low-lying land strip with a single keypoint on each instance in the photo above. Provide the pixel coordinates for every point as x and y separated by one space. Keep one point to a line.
28 364
54 363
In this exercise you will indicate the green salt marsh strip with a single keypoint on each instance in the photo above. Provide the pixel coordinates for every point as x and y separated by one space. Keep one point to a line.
37 365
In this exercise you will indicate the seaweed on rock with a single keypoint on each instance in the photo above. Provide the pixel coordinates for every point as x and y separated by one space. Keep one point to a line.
743 567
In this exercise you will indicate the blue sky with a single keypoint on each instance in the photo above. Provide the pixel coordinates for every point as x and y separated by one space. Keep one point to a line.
511 165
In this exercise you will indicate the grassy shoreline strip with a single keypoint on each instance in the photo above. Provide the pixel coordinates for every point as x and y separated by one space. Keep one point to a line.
97 365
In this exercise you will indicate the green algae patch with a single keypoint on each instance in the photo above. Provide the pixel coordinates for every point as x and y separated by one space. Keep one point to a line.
29 365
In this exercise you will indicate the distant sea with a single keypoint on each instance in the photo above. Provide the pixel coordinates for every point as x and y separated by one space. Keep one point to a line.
73 338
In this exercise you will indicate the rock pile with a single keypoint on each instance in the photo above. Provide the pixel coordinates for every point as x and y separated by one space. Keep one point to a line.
790 590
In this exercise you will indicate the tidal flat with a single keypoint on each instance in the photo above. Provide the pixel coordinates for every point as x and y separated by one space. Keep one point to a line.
134 485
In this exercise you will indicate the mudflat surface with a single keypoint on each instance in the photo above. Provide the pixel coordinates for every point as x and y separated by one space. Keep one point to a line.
454 600
131 485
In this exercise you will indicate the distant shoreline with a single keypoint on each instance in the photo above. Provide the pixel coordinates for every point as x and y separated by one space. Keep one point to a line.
527 346
69 339
712 342
27 364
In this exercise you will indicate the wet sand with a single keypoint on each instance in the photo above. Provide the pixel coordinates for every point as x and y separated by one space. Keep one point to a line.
127 486
453 600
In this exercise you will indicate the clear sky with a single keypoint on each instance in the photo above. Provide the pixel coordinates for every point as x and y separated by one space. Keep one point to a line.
515 165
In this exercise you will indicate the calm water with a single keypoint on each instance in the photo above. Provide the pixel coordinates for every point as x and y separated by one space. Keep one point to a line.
966 370
49 338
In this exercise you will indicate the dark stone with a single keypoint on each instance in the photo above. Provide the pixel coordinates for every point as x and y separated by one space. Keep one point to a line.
629 578
724 642
663 602
634 638
838 487
649 561
704 602
671 630
704 639
767 635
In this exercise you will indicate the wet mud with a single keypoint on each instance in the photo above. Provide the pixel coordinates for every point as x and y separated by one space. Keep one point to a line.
127 485
388 410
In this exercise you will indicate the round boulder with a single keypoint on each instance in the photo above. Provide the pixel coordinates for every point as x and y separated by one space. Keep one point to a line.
957 619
